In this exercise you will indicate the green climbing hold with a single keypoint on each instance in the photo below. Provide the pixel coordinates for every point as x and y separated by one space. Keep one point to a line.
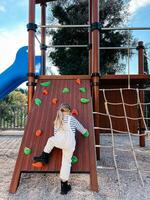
66 90
84 100
86 134
82 89
27 151
74 160
38 101
46 84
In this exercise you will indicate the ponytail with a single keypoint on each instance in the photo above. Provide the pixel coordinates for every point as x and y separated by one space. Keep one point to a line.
59 121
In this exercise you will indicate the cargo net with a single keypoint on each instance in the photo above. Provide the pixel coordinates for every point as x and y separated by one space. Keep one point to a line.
124 111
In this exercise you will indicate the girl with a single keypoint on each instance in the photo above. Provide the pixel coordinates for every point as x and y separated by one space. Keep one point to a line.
65 126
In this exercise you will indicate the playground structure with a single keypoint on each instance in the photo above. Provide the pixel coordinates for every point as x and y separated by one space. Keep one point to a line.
42 109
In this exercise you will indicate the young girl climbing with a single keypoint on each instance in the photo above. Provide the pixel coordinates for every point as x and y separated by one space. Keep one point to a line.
65 126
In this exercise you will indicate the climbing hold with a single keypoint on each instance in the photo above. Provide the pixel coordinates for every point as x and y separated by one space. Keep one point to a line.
86 134
84 100
27 151
78 81
38 101
82 89
54 100
38 165
46 84
74 112
45 92
66 90
38 132
74 160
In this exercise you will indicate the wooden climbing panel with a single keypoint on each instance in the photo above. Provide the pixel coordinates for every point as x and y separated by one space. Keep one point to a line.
48 96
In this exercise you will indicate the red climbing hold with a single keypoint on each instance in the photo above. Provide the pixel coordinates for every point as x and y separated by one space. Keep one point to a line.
38 165
78 81
45 92
54 100
38 132
74 112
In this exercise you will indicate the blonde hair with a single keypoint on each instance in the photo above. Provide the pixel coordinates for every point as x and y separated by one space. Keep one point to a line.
59 120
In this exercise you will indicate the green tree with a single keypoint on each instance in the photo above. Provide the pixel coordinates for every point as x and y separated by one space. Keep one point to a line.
17 97
13 109
75 60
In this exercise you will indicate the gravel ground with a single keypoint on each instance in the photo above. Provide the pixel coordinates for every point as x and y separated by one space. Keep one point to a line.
47 186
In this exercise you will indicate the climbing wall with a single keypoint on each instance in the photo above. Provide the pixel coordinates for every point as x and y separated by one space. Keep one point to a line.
50 93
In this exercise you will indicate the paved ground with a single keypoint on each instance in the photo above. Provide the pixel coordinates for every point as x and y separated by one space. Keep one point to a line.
47 186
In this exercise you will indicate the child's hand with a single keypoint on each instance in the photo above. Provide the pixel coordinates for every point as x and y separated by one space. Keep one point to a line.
86 134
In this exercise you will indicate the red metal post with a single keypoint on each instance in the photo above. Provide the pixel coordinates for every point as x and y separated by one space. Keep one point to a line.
90 37
95 68
141 71
140 57
95 37
43 35
31 53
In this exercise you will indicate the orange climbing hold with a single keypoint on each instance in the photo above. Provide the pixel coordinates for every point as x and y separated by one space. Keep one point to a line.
54 100
78 81
45 92
38 165
74 112
38 132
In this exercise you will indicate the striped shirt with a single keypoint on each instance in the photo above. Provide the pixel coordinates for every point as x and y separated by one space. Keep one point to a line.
74 124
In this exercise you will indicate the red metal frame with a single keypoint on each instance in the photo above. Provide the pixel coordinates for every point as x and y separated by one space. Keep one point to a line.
141 71
31 53
95 67
43 35
90 37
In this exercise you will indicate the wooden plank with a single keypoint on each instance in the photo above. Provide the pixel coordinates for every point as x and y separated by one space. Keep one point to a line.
118 77
64 77
103 79
122 80
130 97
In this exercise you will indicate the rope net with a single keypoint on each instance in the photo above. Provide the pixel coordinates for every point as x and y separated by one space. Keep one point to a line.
123 111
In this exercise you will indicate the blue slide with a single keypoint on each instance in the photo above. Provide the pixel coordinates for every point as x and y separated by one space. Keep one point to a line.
16 74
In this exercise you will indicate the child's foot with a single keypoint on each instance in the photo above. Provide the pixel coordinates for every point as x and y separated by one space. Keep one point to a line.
43 158
65 187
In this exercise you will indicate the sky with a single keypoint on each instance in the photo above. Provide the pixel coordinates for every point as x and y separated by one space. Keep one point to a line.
14 17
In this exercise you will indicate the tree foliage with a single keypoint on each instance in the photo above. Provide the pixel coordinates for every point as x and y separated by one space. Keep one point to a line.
75 60
18 97
13 109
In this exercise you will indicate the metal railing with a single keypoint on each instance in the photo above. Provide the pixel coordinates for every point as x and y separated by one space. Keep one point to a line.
13 117
53 26
88 26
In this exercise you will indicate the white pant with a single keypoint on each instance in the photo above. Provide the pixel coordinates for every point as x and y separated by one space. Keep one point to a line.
65 140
